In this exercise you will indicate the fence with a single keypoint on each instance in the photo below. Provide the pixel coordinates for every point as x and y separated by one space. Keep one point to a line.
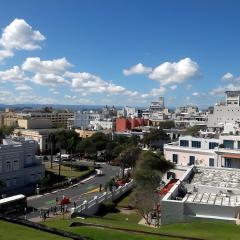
91 207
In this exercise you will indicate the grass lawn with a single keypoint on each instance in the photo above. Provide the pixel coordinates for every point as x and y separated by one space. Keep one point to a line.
65 170
205 230
10 231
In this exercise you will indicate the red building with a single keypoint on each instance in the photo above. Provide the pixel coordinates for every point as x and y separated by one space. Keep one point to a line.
127 124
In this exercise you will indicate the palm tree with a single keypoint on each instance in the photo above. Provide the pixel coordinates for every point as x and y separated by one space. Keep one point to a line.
52 139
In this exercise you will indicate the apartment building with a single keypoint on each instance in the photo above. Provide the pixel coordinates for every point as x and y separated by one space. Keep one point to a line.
207 152
58 118
227 112
41 136
18 164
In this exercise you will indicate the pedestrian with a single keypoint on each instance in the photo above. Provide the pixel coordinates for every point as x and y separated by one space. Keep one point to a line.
56 200
55 210
44 216
74 204
100 187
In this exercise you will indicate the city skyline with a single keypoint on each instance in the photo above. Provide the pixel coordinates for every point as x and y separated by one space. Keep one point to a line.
120 53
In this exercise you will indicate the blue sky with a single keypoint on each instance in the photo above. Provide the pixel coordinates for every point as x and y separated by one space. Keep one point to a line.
119 52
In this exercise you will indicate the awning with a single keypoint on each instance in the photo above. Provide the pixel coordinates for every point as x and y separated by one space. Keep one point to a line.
231 156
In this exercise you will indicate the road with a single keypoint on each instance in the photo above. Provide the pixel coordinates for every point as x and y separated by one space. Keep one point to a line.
75 193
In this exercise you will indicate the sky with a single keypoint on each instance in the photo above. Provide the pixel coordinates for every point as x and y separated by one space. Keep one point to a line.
119 52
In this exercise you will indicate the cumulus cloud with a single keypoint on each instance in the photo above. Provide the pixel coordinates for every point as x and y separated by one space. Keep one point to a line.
230 77
90 83
227 76
14 74
23 87
221 89
19 35
36 65
176 72
49 79
137 69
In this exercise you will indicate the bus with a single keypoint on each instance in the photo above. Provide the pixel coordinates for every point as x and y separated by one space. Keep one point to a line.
17 203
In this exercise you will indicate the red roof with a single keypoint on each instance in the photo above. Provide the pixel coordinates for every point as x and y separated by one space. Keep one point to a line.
167 187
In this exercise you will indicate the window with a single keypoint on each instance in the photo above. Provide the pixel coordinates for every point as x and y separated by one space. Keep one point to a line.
228 144
228 162
238 144
196 144
212 145
15 165
0 165
191 160
175 158
211 162
184 143
8 166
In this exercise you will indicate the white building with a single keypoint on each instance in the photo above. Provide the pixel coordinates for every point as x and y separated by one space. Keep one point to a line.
127 112
18 164
222 152
101 124
82 118
228 112
203 194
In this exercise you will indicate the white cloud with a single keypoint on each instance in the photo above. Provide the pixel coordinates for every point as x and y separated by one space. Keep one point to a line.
157 91
196 94
56 66
137 69
90 83
49 79
176 72
189 87
4 93
219 91
227 76
173 87
188 98
23 87
14 74
19 35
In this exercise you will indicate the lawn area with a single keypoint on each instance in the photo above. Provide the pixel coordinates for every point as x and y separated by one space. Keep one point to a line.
65 170
10 231
200 229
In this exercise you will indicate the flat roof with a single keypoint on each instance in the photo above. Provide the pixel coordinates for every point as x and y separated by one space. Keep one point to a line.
12 198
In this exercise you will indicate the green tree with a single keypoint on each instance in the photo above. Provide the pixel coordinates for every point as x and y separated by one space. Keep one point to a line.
194 131
128 157
154 136
148 173
167 124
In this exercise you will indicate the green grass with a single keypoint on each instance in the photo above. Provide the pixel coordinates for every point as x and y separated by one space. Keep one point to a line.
206 230
65 170
10 231
101 233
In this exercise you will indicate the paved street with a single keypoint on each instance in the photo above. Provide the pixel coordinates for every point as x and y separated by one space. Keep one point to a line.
76 193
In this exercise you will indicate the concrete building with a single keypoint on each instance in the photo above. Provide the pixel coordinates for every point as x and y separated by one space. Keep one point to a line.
221 152
127 124
102 124
127 112
203 194
41 136
34 123
18 164
82 118
58 118
228 112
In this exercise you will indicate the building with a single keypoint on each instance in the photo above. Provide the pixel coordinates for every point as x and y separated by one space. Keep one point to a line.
8 118
102 124
128 124
58 118
227 112
203 193
82 118
18 165
128 112
34 123
208 152
41 136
